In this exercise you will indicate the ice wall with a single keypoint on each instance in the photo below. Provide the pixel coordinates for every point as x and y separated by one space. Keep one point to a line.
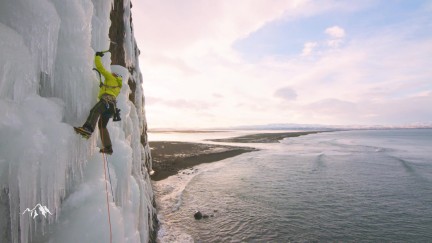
47 86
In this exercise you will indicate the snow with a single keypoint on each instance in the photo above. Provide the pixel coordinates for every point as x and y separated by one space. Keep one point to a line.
47 86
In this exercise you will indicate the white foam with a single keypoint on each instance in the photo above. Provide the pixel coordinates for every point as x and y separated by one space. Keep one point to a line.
169 193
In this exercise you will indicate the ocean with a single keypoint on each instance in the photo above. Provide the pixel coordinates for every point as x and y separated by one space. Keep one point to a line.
347 186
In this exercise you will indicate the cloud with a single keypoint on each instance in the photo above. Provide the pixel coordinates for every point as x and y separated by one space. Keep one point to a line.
192 75
217 95
332 106
369 80
336 35
427 7
186 28
308 48
172 63
178 103
286 93
335 32
397 111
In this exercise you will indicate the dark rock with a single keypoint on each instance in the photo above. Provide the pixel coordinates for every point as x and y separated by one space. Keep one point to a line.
198 215
205 216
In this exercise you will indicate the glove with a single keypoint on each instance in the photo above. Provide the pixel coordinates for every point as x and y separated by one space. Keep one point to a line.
99 53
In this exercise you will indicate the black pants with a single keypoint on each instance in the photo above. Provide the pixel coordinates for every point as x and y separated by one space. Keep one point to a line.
101 113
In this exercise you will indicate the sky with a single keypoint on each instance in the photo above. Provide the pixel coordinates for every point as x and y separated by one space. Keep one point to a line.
220 63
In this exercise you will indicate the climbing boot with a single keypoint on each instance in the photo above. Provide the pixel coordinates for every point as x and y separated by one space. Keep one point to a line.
84 131
106 150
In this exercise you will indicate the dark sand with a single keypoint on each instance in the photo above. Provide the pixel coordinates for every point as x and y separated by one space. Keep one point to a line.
171 157
263 137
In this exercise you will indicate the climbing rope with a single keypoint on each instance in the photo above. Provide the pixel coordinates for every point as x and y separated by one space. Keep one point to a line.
106 190
107 165
109 175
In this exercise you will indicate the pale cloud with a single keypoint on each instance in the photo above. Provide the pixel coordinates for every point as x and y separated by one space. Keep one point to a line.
334 43
175 64
197 79
335 32
332 107
186 28
408 110
217 95
334 111
427 6
286 93
179 103
308 48
368 81
423 94
193 28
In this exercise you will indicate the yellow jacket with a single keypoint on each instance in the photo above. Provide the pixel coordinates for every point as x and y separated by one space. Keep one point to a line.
112 84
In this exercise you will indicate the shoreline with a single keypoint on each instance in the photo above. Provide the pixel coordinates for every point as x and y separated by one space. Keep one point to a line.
173 162
264 137
169 158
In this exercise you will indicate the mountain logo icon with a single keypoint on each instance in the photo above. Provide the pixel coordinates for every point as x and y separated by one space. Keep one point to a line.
34 212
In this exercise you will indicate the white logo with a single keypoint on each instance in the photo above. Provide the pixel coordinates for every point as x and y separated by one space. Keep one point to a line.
42 209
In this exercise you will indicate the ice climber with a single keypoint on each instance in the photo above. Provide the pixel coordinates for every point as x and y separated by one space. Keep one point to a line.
105 108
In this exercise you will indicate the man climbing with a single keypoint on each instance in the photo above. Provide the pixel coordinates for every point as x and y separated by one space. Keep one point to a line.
105 108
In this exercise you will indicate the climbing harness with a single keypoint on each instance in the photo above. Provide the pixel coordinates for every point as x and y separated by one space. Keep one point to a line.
109 99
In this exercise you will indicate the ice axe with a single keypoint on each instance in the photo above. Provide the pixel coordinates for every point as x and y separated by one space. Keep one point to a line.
111 42
100 78
100 53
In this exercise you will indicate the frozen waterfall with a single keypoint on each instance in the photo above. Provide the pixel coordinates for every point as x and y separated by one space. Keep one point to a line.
47 86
